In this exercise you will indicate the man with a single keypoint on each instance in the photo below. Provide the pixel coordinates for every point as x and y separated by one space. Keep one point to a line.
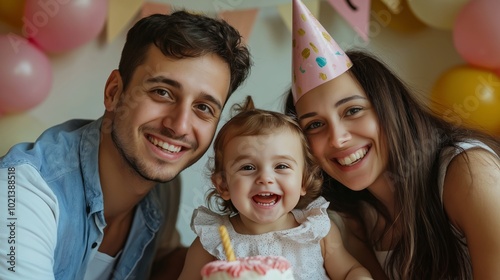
99 199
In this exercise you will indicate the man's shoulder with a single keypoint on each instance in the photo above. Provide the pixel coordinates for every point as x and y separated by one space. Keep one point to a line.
56 146
69 127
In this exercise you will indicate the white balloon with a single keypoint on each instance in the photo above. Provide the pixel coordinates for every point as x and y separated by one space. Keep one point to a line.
439 14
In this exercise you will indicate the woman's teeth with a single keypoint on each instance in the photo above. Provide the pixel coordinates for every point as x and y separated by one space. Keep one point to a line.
353 158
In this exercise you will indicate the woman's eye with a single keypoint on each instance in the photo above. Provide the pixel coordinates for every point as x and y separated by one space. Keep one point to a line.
313 125
353 111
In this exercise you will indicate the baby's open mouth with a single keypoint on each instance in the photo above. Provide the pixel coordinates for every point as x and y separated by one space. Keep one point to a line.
266 199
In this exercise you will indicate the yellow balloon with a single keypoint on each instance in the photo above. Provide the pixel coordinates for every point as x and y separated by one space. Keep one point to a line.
11 12
18 128
404 21
439 14
465 95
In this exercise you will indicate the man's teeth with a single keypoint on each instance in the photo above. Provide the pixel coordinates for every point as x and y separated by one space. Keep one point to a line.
353 158
163 145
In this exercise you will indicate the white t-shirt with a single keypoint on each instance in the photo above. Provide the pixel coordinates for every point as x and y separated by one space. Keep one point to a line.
101 266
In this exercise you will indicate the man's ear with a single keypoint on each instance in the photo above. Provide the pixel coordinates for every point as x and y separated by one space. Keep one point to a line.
220 185
113 90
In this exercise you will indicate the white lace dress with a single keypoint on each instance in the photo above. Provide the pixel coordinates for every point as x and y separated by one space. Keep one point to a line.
300 245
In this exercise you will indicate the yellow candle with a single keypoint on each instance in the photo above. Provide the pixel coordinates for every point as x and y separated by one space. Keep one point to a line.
226 242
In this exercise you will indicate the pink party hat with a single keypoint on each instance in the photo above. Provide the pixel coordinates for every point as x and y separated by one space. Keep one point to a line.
317 58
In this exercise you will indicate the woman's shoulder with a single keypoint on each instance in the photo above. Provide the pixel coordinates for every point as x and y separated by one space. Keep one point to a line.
470 183
472 161
470 198
471 167
448 153
463 154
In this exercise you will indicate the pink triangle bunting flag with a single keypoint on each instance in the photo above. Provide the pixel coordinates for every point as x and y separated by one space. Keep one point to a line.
242 20
356 13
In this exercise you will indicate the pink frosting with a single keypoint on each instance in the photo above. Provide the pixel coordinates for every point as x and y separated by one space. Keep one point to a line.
259 264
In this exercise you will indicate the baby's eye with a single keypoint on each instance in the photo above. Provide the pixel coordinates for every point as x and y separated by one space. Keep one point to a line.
282 166
247 167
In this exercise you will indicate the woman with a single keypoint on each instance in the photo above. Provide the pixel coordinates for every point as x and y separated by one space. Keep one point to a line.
418 193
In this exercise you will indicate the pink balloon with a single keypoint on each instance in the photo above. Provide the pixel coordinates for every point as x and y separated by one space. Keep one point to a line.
25 74
476 33
62 25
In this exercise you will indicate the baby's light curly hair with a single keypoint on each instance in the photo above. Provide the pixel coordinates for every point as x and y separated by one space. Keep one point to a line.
246 120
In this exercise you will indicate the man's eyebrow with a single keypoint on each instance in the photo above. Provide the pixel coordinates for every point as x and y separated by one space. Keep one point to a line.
212 99
164 80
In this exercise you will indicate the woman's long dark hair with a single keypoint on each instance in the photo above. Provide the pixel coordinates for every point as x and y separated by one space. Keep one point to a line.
428 248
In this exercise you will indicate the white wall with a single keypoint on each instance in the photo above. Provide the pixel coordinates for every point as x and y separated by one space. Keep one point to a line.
80 75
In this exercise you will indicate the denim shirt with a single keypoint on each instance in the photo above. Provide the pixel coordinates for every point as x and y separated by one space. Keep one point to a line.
58 189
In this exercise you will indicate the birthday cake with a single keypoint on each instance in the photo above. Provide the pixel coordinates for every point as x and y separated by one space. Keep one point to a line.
249 268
